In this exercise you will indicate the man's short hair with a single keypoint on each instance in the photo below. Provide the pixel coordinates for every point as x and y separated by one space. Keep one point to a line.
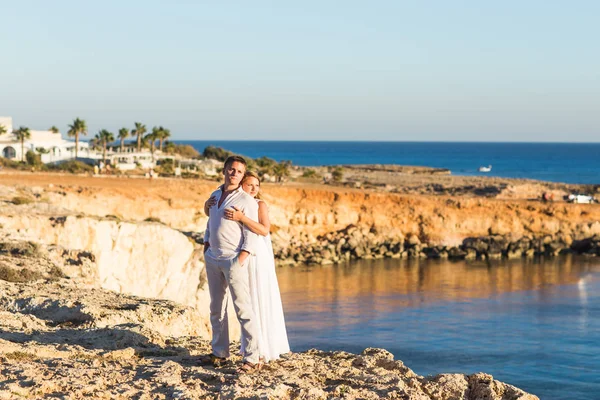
231 159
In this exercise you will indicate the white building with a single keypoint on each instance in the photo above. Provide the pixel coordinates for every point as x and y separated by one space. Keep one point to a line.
129 160
51 146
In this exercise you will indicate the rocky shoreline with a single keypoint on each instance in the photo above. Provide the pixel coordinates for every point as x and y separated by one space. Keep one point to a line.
353 243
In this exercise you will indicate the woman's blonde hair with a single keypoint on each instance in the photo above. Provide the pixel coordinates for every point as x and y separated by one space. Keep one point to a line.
252 174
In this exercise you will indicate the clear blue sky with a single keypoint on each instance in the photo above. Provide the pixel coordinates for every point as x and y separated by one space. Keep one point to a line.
512 70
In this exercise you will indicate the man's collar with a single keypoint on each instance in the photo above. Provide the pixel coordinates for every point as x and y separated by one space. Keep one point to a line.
222 188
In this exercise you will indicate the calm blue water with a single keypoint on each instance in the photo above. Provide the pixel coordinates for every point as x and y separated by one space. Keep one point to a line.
556 162
532 324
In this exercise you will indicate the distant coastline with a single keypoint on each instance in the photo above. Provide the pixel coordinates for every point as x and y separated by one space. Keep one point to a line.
576 163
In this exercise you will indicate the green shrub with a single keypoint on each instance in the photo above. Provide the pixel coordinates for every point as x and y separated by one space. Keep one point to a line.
18 200
166 166
184 150
265 162
7 163
19 356
33 159
81 356
21 275
216 153
338 174
309 173
282 170
189 175
18 275
21 249
252 166
72 166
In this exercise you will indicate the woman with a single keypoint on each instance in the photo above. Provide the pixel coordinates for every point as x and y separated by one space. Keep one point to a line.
264 289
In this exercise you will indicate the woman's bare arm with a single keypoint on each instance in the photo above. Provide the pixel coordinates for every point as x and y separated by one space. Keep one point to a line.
262 227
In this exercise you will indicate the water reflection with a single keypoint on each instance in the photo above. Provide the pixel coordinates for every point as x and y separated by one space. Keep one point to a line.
390 284
533 323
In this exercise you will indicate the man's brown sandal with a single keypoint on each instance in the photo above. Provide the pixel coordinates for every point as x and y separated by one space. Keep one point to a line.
213 360
248 367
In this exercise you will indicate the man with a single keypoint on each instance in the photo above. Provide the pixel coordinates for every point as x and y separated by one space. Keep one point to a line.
227 247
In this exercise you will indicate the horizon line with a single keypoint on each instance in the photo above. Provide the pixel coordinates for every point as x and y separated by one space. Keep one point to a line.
87 139
379 141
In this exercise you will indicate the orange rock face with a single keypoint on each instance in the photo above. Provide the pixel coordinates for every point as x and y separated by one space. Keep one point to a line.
318 209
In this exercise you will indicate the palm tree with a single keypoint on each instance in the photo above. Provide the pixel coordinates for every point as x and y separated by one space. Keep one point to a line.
3 130
94 142
153 137
22 133
139 131
169 147
54 129
123 134
144 142
164 134
78 127
104 137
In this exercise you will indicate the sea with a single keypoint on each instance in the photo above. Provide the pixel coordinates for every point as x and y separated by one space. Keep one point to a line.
534 324
554 162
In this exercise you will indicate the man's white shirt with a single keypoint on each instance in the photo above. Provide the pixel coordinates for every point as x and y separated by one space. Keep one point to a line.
227 237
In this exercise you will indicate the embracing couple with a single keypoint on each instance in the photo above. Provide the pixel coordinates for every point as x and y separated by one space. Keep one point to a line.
239 258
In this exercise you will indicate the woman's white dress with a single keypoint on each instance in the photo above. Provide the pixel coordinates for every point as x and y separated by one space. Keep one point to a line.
266 302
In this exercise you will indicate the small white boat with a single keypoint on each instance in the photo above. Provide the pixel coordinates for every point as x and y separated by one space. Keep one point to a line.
485 169
581 199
